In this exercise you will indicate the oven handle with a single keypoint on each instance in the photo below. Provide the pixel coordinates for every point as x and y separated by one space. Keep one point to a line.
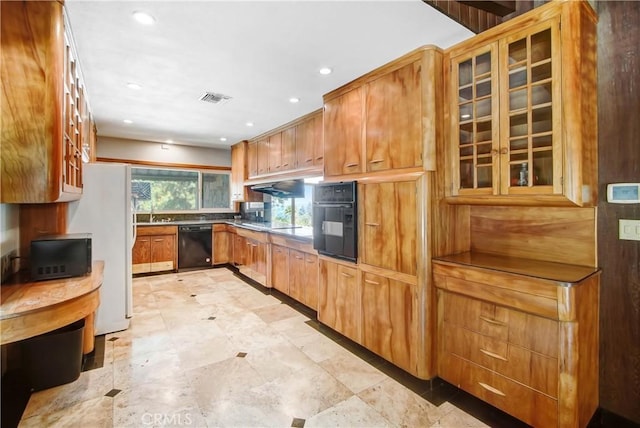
344 205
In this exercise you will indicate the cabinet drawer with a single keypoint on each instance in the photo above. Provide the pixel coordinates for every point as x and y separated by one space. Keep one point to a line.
528 331
156 230
532 369
524 403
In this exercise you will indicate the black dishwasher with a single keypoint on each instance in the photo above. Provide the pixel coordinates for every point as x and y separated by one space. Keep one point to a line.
194 246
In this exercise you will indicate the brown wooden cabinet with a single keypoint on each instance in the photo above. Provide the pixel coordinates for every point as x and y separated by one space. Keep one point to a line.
288 152
254 260
154 249
523 110
389 214
238 171
309 142
390 320
252 159
393 120
280 268
294 269
343 119
521 335
387 119
275 153
339 298
264 154
222 244
45 114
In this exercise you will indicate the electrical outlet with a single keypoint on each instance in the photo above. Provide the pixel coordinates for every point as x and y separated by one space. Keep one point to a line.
629 229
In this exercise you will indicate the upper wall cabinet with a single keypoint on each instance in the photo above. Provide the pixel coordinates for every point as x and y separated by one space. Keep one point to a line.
523 110
386 119
45 115
294 149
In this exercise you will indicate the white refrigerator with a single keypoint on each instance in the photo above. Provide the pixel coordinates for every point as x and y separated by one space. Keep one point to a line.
105 211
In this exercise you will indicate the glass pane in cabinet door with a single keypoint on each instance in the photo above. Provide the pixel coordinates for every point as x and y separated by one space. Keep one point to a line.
485 176
465 73
466 173
483 65
543 168
541 46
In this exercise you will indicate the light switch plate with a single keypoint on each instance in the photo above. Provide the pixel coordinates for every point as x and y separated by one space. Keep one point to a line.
629 229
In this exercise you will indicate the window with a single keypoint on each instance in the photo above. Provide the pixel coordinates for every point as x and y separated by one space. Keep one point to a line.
293 211
174 190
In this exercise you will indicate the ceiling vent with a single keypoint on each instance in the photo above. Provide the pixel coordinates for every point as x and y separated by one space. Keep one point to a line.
213 98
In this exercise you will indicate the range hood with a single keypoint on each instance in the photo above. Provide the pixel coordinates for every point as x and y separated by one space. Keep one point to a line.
282 189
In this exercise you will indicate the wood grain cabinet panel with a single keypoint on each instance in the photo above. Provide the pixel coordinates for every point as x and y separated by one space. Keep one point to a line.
389 320
155 249
343 120
263 154
523 110
339 298
141 255
45 115
539 366
288 151
310 280
309 142
297 275
275 153
387 119
239 250
393 120
389 228
222 246
252 159
280 268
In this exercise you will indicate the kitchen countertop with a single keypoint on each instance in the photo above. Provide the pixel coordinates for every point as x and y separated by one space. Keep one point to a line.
298 232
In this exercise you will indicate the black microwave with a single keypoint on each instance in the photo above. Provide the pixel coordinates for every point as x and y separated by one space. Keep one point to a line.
60 256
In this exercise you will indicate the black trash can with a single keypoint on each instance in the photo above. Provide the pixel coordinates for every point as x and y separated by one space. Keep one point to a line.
54 358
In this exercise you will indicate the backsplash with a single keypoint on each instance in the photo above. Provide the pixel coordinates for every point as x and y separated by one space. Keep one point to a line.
144 218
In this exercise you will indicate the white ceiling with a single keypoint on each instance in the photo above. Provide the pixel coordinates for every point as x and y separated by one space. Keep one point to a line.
261 53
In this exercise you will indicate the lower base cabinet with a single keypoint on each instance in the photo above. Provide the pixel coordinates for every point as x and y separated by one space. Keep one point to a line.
519 339
252 254
222 244
389 320
154 249
339 298
294 270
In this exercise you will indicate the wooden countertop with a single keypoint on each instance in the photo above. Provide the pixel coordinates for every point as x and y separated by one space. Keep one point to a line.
564 274
28 309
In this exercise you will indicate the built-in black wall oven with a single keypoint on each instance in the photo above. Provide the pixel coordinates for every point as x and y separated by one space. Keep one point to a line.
335 220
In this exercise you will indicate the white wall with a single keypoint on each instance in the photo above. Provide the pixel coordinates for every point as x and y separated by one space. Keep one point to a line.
9 235
117 148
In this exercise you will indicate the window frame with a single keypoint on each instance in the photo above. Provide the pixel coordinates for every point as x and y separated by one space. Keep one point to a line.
200 172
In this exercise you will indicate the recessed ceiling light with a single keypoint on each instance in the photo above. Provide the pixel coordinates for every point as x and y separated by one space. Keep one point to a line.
325 70
249 124
132 85
169 141
127 121
294 100
223 138
144 18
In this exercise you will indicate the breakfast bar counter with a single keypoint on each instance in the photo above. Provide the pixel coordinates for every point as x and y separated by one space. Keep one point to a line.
28 309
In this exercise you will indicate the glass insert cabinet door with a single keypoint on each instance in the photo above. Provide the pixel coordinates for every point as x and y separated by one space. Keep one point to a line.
530 113
506 115
475 113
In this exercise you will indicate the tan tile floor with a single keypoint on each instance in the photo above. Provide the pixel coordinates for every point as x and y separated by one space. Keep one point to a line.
206 349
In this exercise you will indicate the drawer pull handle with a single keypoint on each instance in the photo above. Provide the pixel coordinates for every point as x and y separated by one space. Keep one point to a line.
492 355
309 160
376 160
490 321
349 165
298 257
346 275
491 389
368 281
320 157
372 224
